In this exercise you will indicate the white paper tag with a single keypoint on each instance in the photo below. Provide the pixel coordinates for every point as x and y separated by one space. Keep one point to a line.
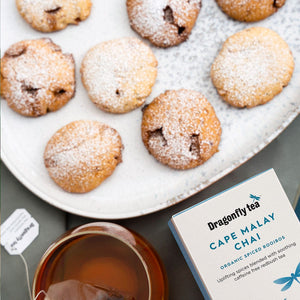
18 231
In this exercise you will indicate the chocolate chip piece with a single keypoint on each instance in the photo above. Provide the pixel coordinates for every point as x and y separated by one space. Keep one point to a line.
195 145
278 3
118 159
50 162
53 11
181 30
29 89
158 135
59 92
168 14
169 17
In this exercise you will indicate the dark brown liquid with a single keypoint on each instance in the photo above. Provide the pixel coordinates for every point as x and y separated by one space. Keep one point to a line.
99 260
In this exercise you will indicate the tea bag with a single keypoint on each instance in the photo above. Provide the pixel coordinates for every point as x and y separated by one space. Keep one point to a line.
76 290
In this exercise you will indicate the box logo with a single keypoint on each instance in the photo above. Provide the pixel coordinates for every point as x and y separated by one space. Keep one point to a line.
288 281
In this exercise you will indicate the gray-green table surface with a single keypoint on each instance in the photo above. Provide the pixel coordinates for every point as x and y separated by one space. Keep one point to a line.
283 154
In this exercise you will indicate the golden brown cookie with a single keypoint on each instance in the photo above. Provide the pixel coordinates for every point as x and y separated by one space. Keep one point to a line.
180 129
53 15
165 23
252 67
36 77
119 74
80 155
250 10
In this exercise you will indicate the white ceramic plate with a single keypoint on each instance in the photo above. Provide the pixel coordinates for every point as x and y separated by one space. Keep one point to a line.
140 184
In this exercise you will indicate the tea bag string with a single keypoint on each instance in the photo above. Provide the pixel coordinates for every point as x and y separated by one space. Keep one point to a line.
40 292
28 281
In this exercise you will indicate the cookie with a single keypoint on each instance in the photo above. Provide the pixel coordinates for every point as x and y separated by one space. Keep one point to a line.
53 15
252 67
180 129
119 74
36 77
250 10
165 23
80 155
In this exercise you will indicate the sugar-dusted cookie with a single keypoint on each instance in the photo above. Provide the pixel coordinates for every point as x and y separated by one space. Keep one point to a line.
53 15
80 155
36 77
252 67
180 129
119 74
250 10
165 23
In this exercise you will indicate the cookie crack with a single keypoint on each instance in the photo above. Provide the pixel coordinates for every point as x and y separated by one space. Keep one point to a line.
51 162
169 17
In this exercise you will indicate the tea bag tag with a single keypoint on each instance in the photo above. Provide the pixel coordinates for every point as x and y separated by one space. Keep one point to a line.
18 231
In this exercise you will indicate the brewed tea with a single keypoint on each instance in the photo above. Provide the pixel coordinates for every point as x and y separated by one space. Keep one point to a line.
98 260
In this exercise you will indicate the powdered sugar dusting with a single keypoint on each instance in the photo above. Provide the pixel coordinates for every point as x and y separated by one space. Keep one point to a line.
37 77
181 129
250 10
253 65
82 154
151 19
263 4
119 74
149 16
144 185
49 15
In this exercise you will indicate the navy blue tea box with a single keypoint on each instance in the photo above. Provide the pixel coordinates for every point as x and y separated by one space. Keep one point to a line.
243 243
